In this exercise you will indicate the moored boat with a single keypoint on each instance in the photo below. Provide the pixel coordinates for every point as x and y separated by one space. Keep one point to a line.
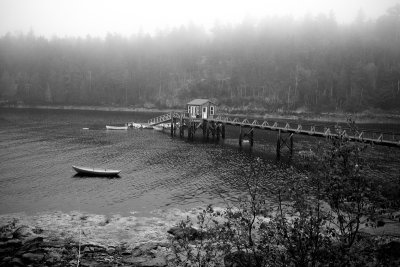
116 127
158 128
95 171
146 126
135 125
165 125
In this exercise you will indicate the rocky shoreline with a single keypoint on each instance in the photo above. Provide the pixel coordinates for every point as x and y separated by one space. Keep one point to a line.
82 239
23 244
63 239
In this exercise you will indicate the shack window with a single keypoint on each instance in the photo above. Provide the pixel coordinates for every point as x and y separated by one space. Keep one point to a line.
188 109
197 110
211 110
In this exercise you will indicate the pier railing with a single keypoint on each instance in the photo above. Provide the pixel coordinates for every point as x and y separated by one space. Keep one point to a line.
164 118
319 130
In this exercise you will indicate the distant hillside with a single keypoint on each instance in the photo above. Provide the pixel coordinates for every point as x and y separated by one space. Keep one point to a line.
271 65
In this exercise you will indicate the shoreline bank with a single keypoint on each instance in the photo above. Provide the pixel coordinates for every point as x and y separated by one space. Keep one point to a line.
89 108
332 117
82 239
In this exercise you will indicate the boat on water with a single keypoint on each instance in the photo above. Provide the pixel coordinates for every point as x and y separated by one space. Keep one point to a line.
165 125
158 128
135 125
116 127
95 171
146 126
139 125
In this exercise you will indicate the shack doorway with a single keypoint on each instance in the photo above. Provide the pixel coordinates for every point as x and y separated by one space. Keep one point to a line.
204 113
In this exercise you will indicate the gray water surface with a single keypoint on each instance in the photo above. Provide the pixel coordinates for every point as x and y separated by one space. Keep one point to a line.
38 148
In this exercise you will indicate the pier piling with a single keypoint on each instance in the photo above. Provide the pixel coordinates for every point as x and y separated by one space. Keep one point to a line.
285 136
172 124
251 137
240 136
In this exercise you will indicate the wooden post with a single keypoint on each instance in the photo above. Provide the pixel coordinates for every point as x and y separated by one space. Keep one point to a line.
204 126
251 136
240 135
181 128
278 145
218 131
189 130
172 124
193 130
213 129
223 131
291 144
208 130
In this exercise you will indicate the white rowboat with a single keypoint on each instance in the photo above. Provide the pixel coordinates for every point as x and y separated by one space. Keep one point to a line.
95 171
135 125
117 127
146 126
158 128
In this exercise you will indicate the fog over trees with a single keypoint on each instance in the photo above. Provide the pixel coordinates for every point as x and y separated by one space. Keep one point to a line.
276 63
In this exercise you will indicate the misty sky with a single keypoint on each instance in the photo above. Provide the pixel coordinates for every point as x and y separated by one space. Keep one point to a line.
99 17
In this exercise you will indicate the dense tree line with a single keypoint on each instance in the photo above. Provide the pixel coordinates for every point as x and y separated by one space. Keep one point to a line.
275 63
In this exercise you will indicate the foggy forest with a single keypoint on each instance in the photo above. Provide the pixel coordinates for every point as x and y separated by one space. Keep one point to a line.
277 63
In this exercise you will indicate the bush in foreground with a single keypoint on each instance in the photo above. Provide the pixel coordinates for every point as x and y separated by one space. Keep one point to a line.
305 219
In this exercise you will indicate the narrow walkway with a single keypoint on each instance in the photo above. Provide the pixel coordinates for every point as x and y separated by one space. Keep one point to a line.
334 131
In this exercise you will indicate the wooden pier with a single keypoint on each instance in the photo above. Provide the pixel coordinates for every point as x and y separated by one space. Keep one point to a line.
285 131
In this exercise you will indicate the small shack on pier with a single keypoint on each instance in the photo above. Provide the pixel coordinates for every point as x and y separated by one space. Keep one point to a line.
201 109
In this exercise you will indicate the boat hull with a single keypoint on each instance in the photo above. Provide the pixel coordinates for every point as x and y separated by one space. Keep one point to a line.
95 171
135 125
158 128
146 126
116 127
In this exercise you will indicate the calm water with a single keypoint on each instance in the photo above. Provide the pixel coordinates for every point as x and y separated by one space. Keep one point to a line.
38 148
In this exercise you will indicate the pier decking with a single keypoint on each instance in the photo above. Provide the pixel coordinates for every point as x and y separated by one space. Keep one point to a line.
216 126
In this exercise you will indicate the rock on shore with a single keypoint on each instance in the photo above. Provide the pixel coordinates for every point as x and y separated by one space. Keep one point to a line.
63 239
81 239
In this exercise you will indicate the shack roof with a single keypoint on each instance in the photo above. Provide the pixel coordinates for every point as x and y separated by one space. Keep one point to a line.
199 102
